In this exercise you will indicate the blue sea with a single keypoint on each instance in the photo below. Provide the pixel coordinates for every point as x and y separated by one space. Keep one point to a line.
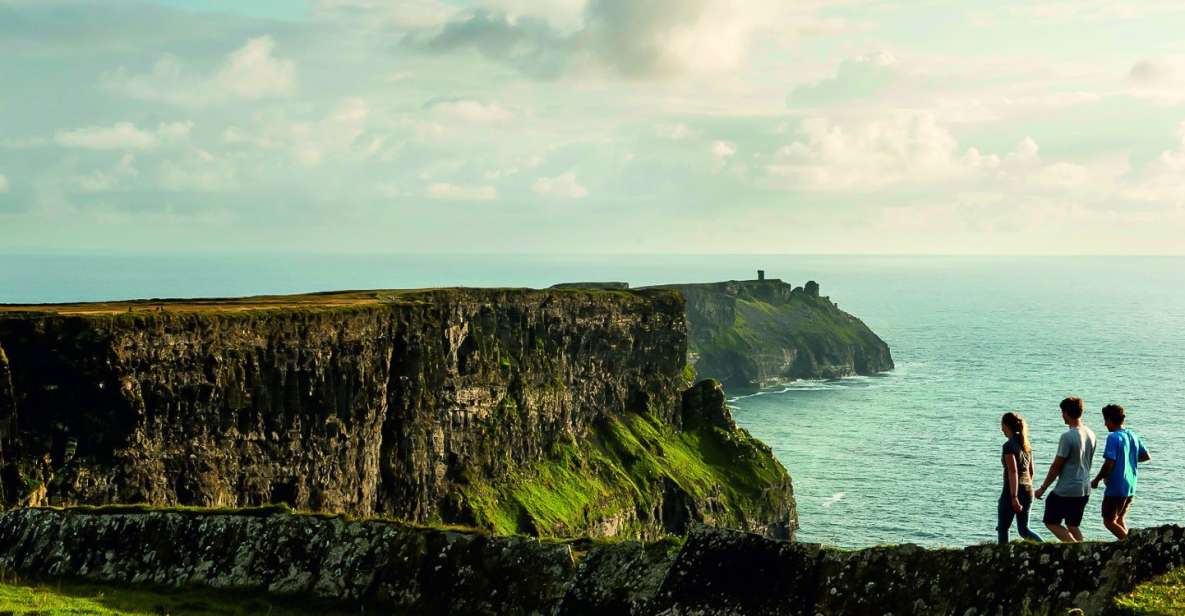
908 456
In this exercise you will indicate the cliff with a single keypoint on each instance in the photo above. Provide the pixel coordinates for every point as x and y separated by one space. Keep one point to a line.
555 413
756 333
394 568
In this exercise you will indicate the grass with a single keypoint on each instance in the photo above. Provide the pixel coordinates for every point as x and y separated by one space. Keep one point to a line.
307 302
619 471
1161 596
69 598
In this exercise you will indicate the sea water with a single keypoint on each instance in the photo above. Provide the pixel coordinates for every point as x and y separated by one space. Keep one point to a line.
908 456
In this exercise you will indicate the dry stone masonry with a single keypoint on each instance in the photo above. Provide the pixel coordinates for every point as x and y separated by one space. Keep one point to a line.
403 569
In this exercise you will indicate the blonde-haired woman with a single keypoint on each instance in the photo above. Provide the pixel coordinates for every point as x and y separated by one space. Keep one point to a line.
1017 497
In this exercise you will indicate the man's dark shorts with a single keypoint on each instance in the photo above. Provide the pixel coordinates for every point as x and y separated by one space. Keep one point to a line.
1115 506
1064 508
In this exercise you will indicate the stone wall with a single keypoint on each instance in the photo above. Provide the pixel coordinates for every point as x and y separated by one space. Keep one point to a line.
418 570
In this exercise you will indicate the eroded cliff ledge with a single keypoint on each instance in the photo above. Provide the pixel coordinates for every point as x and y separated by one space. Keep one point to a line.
558 413
394 568
755 333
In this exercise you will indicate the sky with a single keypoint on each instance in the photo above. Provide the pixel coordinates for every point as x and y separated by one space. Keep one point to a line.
593 126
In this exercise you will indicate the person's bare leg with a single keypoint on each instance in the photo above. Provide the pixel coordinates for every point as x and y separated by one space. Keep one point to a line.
1075 533
1060 532
1121 520
1116 527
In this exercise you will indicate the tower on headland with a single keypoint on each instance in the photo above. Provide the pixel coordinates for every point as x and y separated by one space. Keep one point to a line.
761 274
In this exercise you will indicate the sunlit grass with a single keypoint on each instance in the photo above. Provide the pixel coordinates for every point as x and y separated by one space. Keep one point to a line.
63 598
1161 596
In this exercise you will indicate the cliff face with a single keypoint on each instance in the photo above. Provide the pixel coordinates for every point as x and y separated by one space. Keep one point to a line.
478 407
401 569
763 332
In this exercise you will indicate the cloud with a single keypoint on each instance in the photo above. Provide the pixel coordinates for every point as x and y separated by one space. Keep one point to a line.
4 184
1163 180
405 14
454 192
251 72
468 110
110 179
563 186
199 171
640 40
675 132
857 78
722 150
337 133
123 136
913 149
867 156
1150 72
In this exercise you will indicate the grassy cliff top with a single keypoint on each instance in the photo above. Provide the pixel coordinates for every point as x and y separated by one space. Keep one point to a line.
311 301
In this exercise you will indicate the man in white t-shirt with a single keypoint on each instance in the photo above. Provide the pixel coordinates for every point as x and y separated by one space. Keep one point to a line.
1071 469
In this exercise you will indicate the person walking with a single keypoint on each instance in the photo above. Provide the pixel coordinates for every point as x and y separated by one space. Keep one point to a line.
1123 452
1071 469
1017 497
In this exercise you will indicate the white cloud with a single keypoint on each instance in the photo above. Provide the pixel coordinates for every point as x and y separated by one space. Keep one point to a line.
336 134
469 110
4 184
675 132
854 79
198 171
1158 80
870 155
723 150
123 136
1163 180
563 186
110 179
913 150
454 192
251 72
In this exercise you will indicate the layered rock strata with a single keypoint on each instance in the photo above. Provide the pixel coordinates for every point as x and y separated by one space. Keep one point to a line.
555 413
757 333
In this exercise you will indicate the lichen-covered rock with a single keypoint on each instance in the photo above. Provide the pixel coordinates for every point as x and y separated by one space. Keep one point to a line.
757 333
403 569
427 406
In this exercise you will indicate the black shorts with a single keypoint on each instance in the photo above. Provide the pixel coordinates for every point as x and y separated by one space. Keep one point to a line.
1067 508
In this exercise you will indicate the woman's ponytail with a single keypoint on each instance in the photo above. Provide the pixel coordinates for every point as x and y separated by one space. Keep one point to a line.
1019 427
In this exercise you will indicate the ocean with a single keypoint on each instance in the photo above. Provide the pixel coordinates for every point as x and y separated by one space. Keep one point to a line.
907 456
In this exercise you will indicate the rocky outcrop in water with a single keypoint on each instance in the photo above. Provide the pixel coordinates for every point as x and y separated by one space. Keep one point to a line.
391 567
756 333
556 413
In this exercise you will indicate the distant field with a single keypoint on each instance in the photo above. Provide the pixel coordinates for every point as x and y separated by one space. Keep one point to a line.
308 301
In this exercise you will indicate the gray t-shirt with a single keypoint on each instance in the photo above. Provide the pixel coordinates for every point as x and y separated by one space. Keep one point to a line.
1077 446
1024 460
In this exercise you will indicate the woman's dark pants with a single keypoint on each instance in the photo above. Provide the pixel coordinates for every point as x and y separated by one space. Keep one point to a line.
1005 514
